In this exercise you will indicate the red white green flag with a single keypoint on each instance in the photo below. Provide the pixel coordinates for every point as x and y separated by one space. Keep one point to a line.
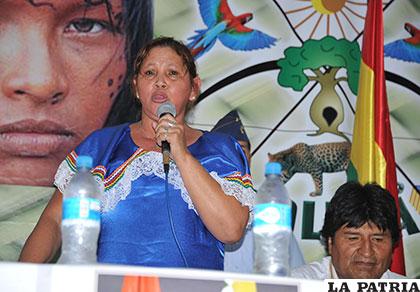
372 153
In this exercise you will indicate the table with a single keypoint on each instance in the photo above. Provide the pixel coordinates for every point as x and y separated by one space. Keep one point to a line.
26 277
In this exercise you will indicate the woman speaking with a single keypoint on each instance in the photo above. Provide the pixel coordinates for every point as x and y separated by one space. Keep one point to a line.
209 191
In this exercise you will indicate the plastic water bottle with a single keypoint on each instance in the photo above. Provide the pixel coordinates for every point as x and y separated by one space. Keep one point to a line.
272 224
81 216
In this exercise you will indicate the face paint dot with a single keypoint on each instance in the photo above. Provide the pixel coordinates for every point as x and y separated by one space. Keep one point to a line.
120 77
110 82
111 95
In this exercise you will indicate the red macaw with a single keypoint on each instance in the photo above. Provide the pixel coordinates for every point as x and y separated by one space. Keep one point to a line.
228 28
407 49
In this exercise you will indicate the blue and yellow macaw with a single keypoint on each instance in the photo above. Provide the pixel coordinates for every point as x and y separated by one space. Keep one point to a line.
228 28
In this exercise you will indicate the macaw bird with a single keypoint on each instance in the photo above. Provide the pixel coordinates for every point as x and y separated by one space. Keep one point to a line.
228 28
407 49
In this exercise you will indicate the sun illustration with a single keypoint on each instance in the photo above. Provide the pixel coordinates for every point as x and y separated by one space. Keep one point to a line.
328 7
319 18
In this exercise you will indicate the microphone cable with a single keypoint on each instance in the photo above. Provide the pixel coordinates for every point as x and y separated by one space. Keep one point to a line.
171 222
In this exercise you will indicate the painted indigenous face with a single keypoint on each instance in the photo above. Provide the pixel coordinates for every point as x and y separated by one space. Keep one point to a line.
61 65
164 77
362 253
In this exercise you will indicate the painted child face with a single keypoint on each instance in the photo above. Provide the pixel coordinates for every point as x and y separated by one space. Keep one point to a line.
61 65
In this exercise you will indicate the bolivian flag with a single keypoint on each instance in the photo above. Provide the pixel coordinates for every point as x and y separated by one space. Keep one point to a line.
372 153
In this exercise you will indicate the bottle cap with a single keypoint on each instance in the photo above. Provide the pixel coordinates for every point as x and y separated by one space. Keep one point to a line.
84 161
272 168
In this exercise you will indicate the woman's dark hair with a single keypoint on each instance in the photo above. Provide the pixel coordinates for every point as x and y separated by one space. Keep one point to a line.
137 26
354 204
181 49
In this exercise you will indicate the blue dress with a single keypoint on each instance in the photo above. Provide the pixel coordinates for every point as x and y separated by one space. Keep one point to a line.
135 219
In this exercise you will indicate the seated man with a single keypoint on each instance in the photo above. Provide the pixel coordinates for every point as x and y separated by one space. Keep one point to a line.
359 233
239 256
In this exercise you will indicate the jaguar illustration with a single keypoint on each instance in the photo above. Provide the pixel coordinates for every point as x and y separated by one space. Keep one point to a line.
313 159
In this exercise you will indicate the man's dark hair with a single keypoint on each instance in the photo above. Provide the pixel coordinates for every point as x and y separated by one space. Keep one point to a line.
137 25
354 204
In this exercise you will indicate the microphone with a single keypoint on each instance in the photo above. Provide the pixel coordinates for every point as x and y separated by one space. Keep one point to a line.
163 109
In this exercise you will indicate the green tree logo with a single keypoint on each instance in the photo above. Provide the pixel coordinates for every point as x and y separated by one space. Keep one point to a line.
324 57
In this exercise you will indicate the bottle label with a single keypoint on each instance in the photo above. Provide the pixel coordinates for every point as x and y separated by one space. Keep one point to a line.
273 215
81 208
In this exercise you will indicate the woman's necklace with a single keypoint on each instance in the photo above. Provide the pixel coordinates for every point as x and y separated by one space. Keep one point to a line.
142 140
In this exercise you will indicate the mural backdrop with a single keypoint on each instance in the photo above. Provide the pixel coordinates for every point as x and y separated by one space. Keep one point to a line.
292 74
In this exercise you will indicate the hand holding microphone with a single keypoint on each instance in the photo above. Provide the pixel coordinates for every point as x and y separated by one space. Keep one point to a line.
163 109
